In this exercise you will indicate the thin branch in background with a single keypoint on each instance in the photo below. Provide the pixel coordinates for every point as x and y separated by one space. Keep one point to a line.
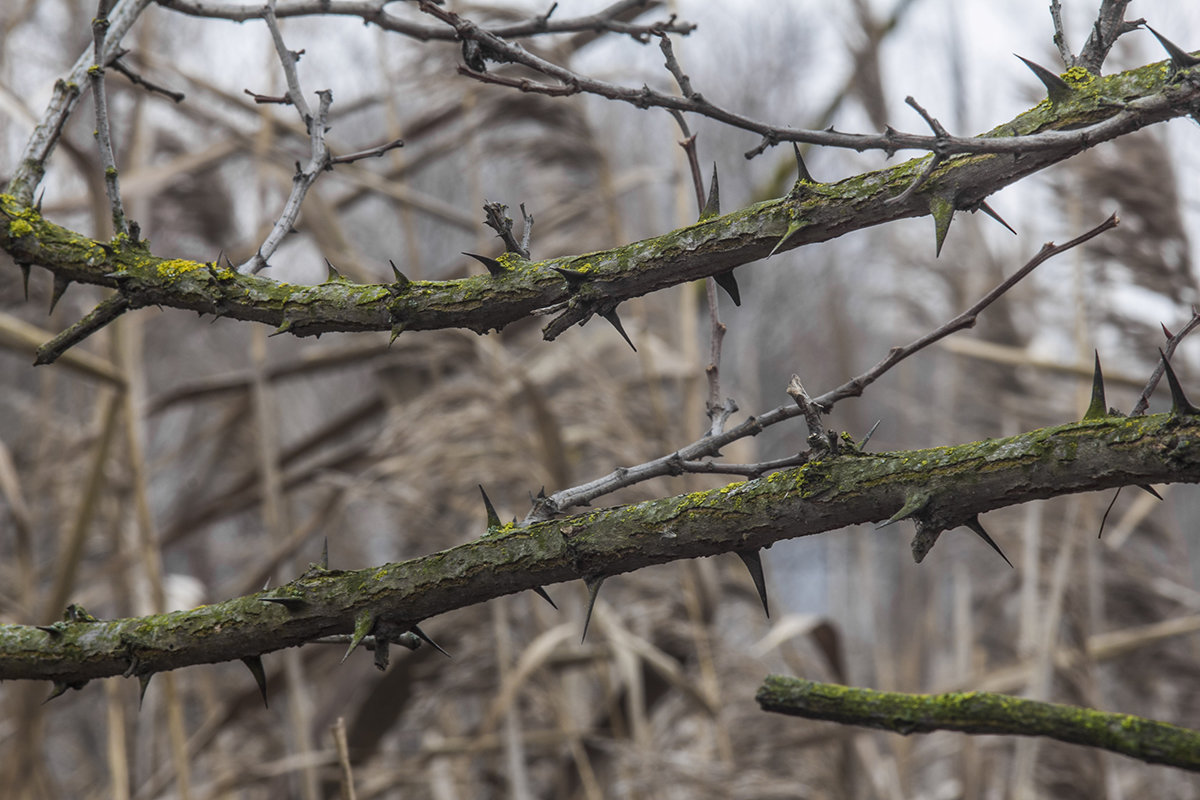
112 186
319 159
1060 37
115 62
373 152
501 50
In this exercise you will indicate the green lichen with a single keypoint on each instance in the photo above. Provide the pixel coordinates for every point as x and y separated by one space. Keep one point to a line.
19 227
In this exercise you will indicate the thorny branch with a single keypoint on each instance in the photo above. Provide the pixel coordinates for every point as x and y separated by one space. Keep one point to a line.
674 463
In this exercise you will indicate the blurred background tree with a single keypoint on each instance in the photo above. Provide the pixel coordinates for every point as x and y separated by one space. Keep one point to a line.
179 461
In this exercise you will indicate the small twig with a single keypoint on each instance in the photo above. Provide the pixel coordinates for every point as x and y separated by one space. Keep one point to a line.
114 61
373 152
108 160
1060 38
817 438
1173 341
496 217
938 157
318 161
746 470
527 218
268 99
672 65
101 315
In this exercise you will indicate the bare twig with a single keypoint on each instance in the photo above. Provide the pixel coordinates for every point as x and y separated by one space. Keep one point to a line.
103 134
373 152
319 159
1060 38
115 62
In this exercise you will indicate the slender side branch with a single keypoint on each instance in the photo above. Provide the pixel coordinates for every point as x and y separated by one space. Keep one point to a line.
108 160
986 713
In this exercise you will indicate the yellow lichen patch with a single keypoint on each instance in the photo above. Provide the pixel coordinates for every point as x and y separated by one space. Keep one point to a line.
176 267
18 228
1078 78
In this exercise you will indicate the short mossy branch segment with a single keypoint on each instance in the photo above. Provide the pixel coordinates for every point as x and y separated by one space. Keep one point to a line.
983 712
957 482
1096 111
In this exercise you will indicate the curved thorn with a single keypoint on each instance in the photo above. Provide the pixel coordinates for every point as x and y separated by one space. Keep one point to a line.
325 554
615 321
493 519
753 561
290 603
574 278
494 267
913 504
974 524
332 274
364 623
396 331
991 212
729 283
255 665
284 327
1098 408
57 688
713 207
1180 58
24 278
56 293
541 592
943 213
420 634
593 586
1056 87
801 168
1145 487
1179 401
144 684
400 278
793 226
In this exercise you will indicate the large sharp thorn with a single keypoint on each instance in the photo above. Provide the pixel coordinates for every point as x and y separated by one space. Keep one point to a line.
729 283
1107 511
290 603
1180 58
1145 487
396 331
56 689
364 623
943 212
793 226
494 267
991 212
1179 401
420 634
913 504
615 321
143 685
541 592
713 207
593 586
332 274
325 554
924 540
493 519
56 293
753 561
1098 408
24 278
863 444
974 524
400 279
37 206
801 169
1167 332
574 278
1056 87
255 665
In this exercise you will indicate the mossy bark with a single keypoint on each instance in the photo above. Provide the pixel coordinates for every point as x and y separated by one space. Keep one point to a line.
959 481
